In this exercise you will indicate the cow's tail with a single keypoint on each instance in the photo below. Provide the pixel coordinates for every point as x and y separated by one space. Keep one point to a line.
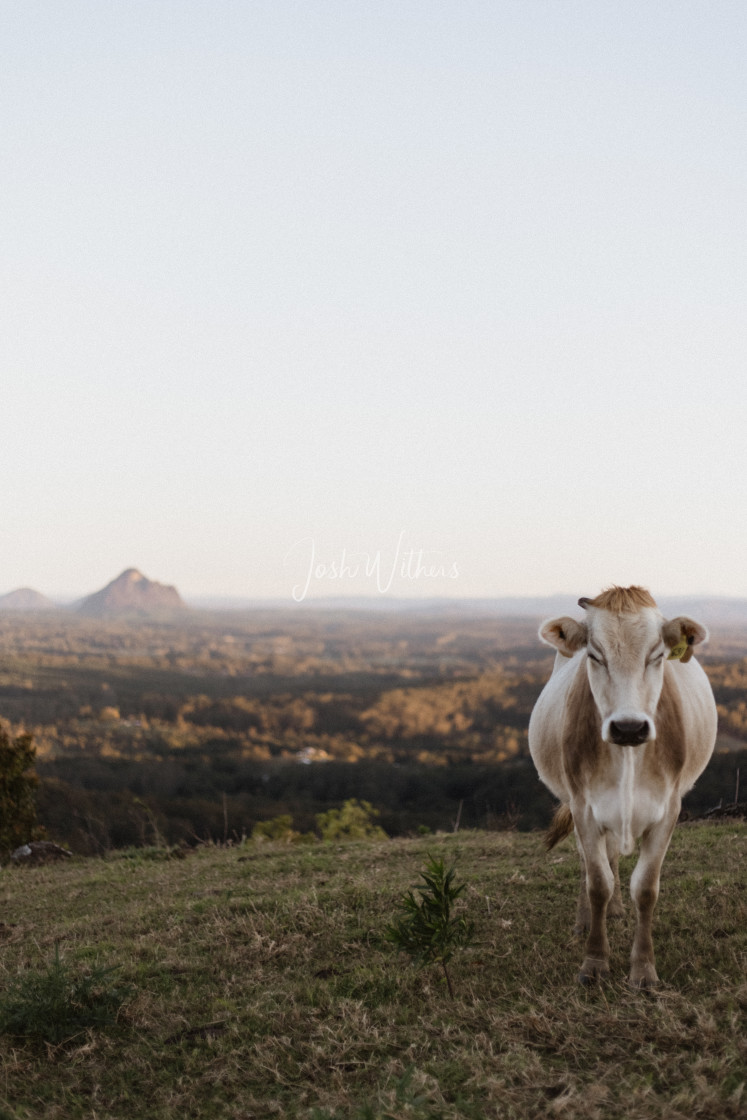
560 827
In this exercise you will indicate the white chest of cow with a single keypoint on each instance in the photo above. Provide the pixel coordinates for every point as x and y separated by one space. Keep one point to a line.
621 731
623 802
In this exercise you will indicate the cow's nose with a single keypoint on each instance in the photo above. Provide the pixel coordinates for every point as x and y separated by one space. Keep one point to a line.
629 732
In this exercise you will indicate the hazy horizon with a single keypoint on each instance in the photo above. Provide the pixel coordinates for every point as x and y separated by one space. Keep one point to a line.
453 292
386 600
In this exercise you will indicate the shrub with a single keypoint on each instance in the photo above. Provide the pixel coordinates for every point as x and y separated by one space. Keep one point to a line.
17 788
54 1005
279 828
354 821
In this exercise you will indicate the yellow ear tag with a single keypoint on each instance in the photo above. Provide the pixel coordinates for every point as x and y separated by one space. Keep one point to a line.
679 650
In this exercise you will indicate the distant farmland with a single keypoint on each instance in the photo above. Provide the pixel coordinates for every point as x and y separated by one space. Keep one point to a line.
200 727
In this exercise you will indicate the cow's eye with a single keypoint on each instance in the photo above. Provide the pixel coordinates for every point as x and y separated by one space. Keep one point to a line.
593 657
655 660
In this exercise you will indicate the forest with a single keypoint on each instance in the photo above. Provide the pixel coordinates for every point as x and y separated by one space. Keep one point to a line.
181 731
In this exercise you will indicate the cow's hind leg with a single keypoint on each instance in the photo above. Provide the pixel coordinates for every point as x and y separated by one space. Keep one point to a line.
644 890
600 885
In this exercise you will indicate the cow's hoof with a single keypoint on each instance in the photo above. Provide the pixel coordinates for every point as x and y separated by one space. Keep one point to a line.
615 910
593 970
643 977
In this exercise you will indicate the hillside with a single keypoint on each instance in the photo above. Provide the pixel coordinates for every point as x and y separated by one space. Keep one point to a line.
131 594
262 986
26 599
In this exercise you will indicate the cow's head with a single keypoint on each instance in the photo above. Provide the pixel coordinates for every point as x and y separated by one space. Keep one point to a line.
626 642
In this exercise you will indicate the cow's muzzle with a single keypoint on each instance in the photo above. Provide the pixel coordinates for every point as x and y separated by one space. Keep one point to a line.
629 732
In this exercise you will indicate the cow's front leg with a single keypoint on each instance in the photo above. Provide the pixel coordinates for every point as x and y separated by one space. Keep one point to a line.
644 890
600 884
616 908
583 914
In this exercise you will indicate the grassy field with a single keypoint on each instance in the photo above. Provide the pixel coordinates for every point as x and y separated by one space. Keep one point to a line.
262 986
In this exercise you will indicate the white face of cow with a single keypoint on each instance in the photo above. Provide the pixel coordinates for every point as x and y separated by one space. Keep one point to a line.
625 662
625 655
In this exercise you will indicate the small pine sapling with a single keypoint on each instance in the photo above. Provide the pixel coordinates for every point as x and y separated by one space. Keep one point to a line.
56 1004
426 929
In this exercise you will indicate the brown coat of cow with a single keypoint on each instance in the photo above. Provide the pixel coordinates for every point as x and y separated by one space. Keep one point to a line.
620 732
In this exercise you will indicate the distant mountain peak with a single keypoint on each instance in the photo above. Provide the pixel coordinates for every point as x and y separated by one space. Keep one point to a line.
131 593
26 599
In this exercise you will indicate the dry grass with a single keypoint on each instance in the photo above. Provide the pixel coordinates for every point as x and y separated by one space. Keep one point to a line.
264 987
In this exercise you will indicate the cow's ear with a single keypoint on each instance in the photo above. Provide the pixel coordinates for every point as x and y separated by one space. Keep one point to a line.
565 634
681 634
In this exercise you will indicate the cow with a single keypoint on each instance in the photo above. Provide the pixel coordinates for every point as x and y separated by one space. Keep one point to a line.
623 728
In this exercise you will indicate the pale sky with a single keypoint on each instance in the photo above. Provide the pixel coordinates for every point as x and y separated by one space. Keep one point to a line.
360 280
